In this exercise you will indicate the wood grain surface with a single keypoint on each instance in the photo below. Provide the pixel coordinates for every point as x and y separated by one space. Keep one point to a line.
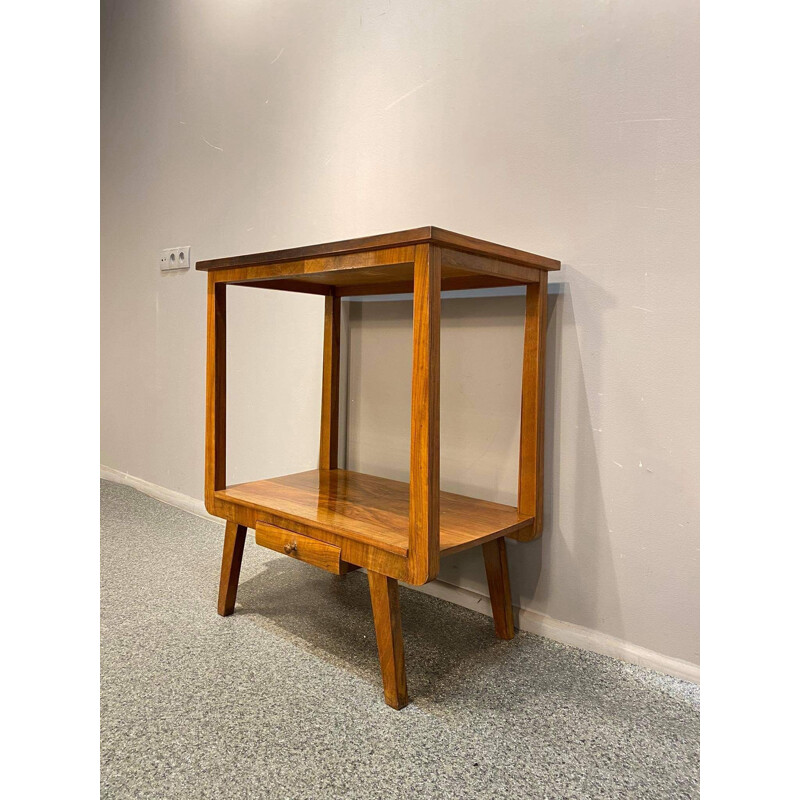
389 636
303 548
415 236
370 509
494 559
423 546
232 551
329 423
531 444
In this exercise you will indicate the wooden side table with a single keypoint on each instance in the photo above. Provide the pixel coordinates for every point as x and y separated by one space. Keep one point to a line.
340 520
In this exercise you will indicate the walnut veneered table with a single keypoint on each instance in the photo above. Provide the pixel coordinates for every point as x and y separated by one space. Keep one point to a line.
340 520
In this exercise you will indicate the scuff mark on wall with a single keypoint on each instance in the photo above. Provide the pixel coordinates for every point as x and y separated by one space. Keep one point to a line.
407 94
651 119
212 145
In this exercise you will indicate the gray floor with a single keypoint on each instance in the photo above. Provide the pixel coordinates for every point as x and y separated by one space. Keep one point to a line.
283 699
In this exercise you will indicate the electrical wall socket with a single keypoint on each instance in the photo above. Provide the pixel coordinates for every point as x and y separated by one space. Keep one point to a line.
175 258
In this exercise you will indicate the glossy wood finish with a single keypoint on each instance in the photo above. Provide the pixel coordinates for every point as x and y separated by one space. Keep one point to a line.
389 636
354 274
303 548
449 284
339 288
354 551
349 270
368 509
232 551
494 559
531 447
455 262
416 236
329 425
340 520
423 538
215 392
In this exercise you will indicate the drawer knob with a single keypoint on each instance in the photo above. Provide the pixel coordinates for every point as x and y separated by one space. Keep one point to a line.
290 547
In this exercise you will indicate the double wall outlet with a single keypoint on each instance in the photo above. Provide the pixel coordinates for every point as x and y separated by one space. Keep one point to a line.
175 258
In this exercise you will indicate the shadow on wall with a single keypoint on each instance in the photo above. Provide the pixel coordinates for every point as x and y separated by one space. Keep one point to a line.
570 569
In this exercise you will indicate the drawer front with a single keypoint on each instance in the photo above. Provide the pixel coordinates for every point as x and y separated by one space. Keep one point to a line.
303 548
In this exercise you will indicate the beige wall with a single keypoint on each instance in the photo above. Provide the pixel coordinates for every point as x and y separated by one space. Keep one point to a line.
566 128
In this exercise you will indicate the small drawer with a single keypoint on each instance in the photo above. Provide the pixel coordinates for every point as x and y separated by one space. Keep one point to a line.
303 548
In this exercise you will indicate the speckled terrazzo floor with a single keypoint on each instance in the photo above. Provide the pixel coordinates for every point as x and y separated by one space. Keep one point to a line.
283 699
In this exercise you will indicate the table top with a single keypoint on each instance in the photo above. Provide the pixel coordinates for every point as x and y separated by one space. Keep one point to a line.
425 235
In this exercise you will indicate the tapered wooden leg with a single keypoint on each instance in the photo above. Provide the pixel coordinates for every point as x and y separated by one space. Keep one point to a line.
386 611
494 558
231 564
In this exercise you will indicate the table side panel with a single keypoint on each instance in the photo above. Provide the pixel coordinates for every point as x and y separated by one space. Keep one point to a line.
305 268
485 265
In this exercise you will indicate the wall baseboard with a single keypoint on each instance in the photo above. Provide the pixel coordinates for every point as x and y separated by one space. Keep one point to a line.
568 633
525 619
171 498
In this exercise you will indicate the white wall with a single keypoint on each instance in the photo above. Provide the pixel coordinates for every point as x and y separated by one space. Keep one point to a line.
568 128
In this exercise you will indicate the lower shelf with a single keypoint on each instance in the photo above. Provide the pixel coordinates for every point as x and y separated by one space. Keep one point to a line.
371 510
